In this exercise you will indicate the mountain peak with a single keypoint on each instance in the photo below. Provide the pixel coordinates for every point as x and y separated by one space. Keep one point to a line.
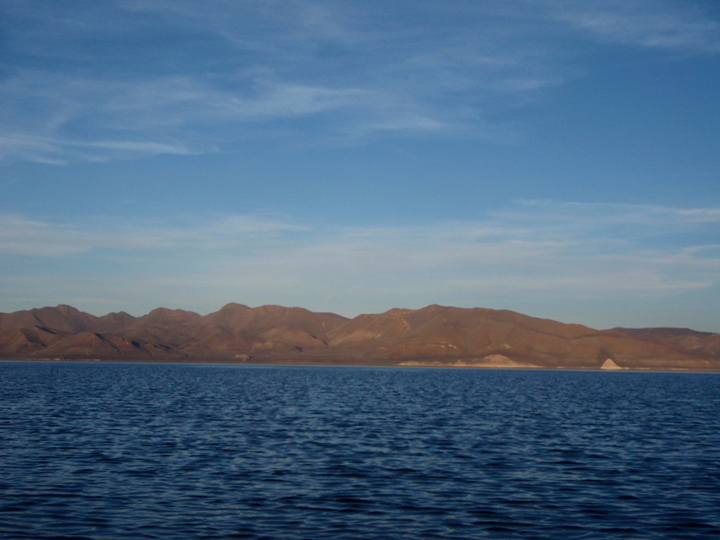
67 310
163 315
273 333
234 306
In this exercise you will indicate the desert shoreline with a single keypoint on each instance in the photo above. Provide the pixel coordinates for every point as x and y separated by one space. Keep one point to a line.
366 363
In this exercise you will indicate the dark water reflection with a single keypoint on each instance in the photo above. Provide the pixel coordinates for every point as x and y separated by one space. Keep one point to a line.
202 451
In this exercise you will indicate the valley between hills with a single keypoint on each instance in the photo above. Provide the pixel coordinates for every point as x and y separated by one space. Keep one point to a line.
436 336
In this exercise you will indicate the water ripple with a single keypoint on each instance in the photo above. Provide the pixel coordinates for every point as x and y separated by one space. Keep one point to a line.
116 451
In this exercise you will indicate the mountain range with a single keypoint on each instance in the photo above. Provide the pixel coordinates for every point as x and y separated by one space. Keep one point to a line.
431 336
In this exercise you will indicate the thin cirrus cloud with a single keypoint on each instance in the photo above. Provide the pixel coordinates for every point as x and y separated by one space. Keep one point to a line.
348 71
647 23
536 248
21 236
58 151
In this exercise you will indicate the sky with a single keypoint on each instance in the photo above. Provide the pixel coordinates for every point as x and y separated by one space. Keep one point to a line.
552 157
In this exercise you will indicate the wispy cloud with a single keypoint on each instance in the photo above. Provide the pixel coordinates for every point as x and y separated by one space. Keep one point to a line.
655 24
548 249
58 151
23 236
347 70
615 219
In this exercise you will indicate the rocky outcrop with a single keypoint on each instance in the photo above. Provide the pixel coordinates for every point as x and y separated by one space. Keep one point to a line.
609 364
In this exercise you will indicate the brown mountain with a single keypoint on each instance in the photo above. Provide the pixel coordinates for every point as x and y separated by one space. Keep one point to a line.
64 318
663 333
691 342
25 341
60 319
237 330
435 335
447 332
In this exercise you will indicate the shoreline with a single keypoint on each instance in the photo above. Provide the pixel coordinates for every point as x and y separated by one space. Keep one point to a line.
402 363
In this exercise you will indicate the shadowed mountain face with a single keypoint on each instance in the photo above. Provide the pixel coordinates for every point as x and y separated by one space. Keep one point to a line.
435 335
663 333
704 344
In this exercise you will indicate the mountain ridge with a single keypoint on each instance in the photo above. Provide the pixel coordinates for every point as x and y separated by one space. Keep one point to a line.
433 335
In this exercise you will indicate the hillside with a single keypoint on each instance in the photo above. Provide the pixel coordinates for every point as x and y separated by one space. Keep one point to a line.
434 335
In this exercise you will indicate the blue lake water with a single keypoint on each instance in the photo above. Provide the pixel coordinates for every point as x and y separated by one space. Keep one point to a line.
208 451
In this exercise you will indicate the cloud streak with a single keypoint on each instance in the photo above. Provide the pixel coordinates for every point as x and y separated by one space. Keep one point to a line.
22 236
346 71
651 24
548 250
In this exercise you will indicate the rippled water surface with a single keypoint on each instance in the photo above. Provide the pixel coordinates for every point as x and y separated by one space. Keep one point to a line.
207 451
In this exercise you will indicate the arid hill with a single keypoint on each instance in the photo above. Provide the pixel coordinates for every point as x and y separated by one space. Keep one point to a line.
691 342
432 336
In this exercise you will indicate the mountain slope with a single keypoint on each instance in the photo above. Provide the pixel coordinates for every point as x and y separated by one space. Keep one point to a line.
437 334
437 331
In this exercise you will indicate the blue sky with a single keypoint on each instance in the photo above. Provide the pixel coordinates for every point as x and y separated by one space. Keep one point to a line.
553 157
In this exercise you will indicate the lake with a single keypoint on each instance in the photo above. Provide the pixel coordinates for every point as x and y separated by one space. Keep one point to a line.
159 451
